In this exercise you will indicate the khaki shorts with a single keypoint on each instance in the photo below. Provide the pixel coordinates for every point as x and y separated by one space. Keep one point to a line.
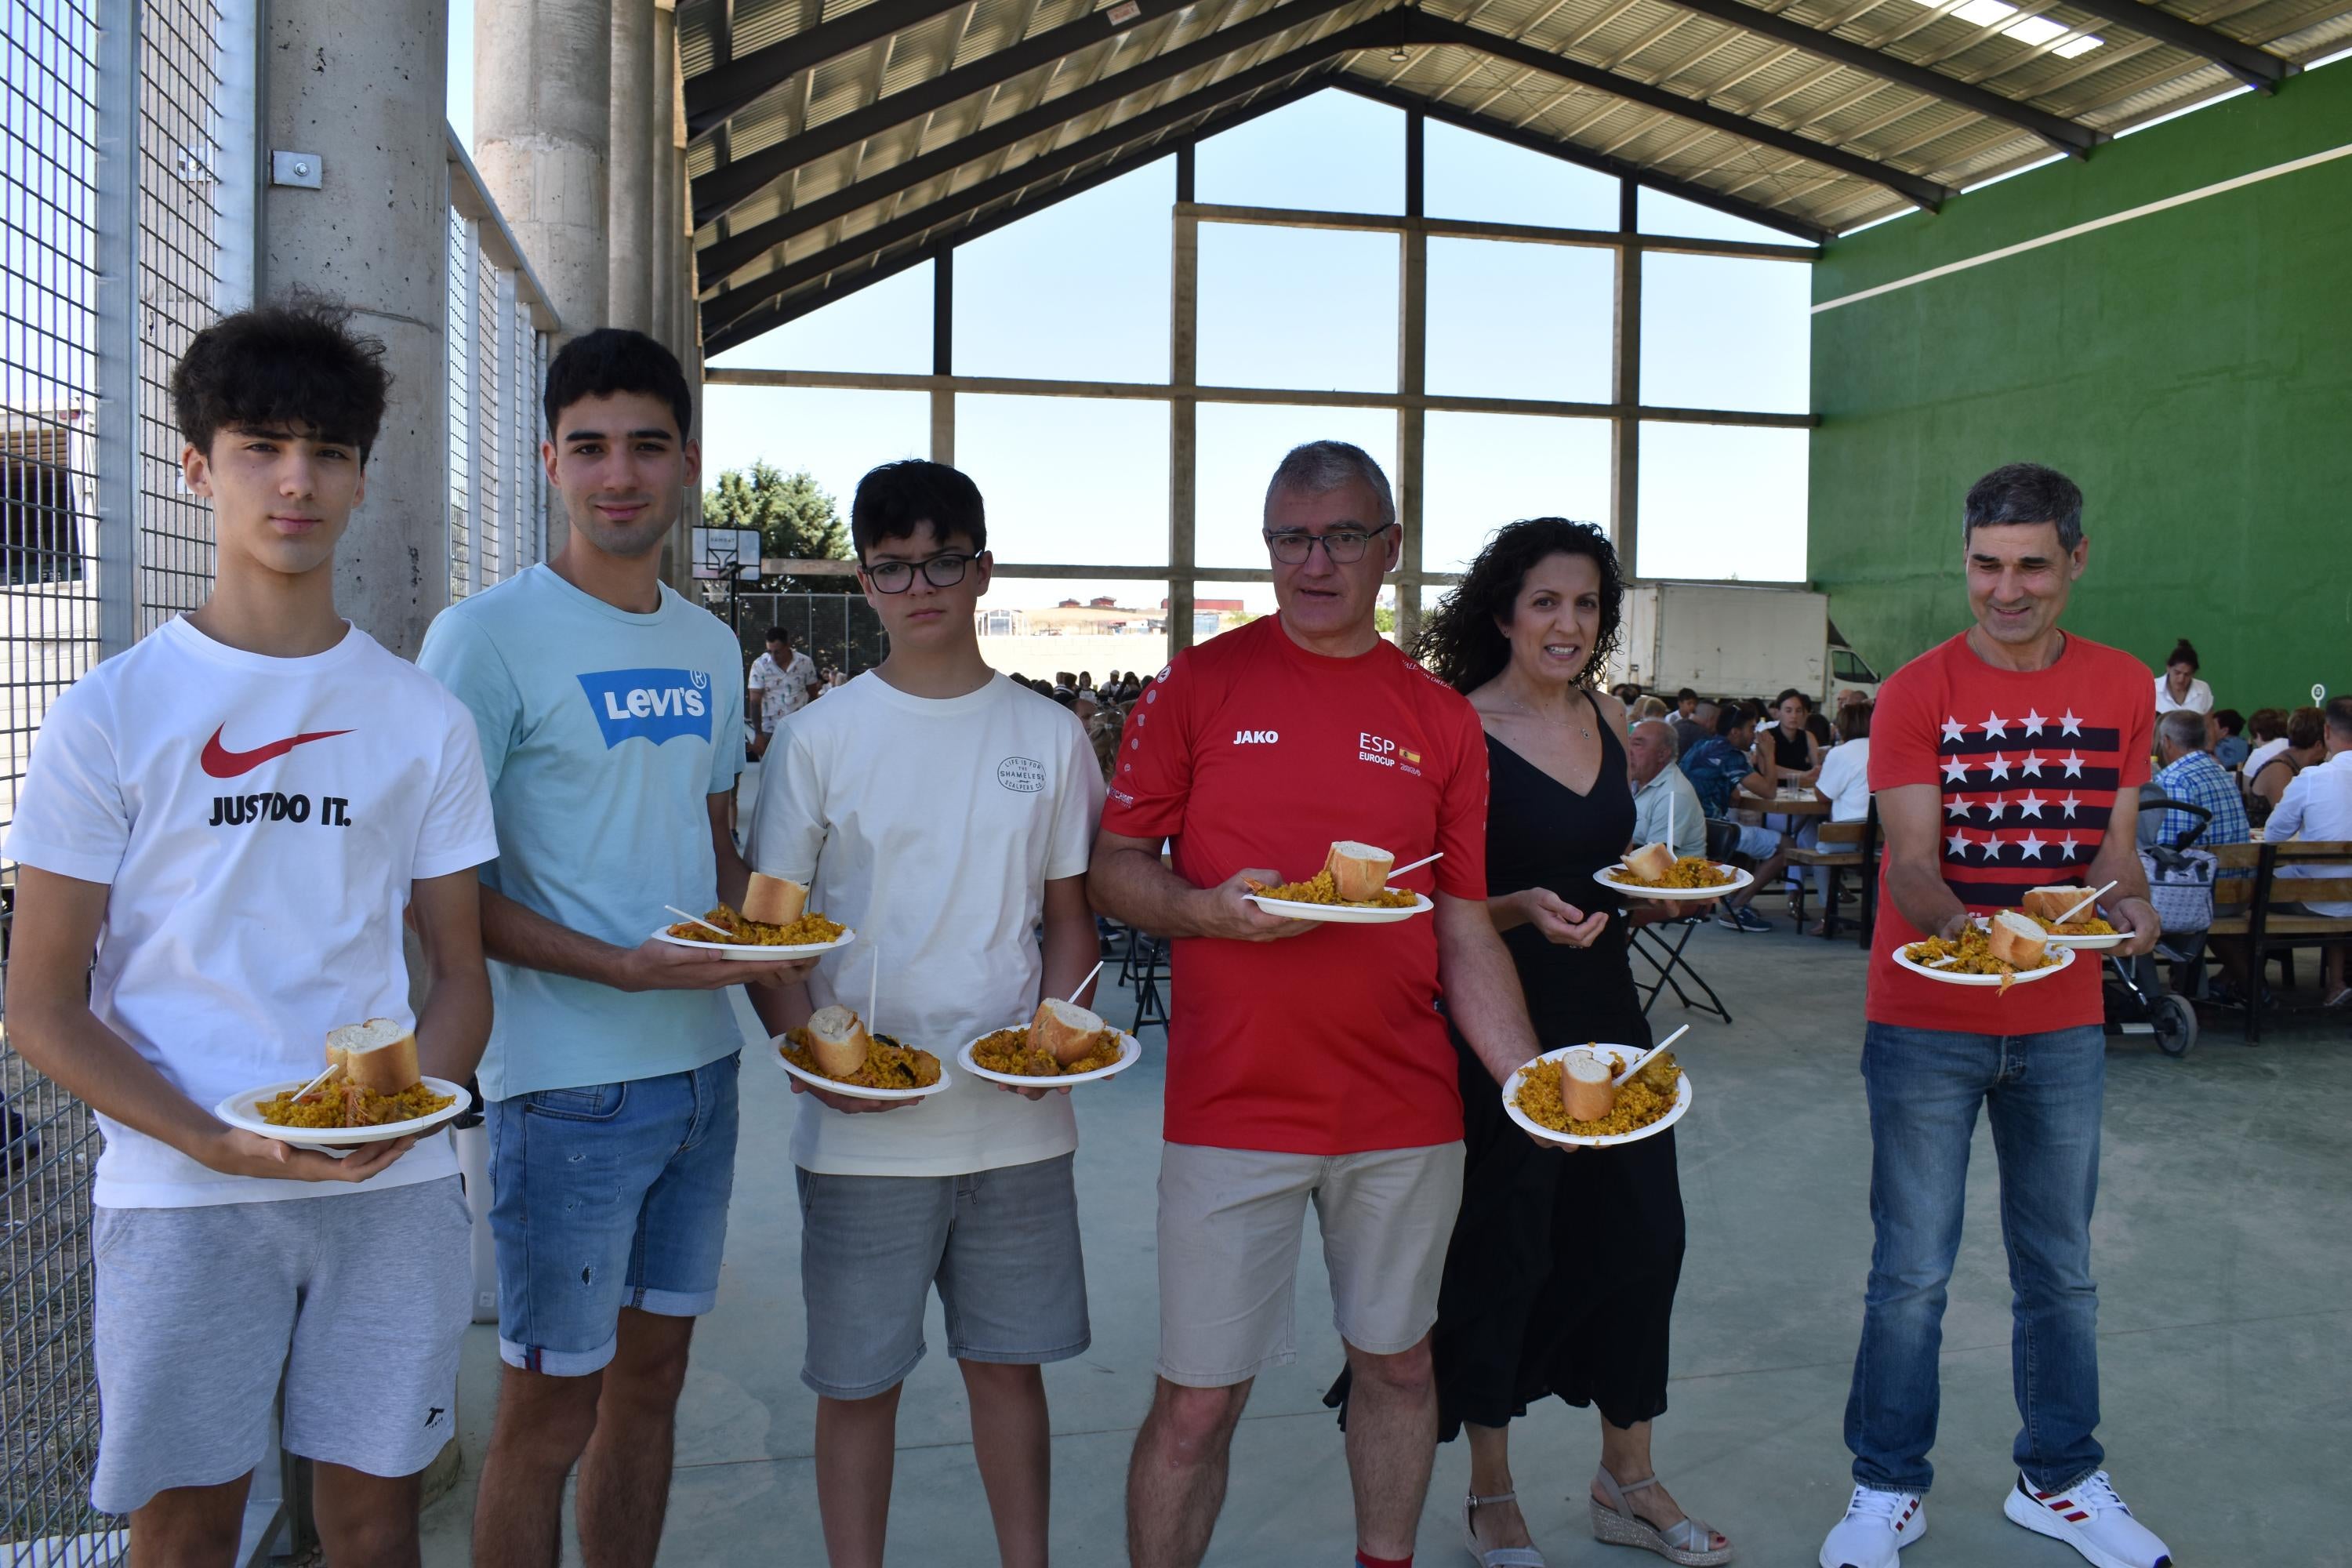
1231 1223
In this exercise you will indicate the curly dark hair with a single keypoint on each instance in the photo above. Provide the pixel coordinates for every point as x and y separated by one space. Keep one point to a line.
1462 641
293 362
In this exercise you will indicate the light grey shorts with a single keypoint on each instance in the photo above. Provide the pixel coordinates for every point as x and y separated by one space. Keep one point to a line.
1002 1246
1230 1225
360 1300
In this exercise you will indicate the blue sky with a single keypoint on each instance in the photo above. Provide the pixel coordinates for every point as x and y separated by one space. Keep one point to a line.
1080 291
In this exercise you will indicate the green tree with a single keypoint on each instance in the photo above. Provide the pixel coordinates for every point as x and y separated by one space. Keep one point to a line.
796 520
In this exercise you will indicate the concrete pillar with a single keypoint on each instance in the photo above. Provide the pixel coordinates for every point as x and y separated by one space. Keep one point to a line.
362 86
662 216
543 128
631 133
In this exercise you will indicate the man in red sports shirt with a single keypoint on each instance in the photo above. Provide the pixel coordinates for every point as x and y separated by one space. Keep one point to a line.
1306 1061
2006 758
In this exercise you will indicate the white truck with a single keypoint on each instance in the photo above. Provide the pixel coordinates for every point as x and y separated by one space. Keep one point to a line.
1728 639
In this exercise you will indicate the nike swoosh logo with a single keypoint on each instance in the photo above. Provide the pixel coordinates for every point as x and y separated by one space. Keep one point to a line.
223 763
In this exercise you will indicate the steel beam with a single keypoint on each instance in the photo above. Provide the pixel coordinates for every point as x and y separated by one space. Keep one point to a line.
2064 134
731 184
745 325
727 89
2258 69
1109 141
1567 151
1425 28
722 257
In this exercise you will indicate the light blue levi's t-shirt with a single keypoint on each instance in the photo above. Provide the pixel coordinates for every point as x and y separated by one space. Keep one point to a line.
603 733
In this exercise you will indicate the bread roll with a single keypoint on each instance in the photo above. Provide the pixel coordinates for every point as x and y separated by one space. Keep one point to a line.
2049 903
1651 862
775 901
379 1055
1585 1088
838 1041
2016 941
1361 871
1067 1030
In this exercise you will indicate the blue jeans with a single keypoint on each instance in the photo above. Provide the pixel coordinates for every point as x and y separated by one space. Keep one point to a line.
608 1196
2042 1093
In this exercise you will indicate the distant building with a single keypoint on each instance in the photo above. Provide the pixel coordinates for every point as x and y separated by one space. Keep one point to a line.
1001 622
1215 606
1104 603
1069 605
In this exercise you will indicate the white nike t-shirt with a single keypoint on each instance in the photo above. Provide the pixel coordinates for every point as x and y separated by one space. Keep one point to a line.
257 822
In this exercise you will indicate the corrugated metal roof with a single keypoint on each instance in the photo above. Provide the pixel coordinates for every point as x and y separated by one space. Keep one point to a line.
834 144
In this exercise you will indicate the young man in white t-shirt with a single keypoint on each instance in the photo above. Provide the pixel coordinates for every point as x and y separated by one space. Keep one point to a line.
233 816
944 813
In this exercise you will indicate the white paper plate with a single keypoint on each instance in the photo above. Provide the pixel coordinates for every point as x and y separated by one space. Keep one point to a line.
1130 1051
1342 914
1621 1056
1739 879
758 954
835 1086
238 1111
2084 944
2065 962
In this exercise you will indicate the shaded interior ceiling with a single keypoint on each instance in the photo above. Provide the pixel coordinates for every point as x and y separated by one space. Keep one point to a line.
834 145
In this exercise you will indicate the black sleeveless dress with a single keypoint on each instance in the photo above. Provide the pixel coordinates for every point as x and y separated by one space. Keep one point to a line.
1560 1276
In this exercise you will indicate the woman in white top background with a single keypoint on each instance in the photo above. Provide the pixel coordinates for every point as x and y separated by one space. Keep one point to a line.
2179 687
1844 783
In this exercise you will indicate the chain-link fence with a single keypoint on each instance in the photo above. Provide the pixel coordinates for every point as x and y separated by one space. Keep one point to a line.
838 631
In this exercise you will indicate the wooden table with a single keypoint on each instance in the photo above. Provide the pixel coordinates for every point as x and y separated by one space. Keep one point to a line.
1811 804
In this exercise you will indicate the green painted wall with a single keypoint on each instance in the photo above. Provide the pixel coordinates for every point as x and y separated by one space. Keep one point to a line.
2190 369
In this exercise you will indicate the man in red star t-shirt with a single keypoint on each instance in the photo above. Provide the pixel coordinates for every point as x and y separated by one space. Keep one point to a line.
2006 758
1307 1062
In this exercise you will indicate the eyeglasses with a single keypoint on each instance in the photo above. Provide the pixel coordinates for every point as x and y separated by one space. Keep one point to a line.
896 576
1343 546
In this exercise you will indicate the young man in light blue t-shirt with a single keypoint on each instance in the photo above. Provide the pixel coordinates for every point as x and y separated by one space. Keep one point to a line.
611 716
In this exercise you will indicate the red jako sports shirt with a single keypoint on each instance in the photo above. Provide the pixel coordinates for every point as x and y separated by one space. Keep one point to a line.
1250 750
2028 764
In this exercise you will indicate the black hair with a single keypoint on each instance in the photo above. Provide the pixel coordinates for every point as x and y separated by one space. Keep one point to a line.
2267 723
1462 641
1730 716
293 364
2339 715
2181 654
2304 726
781 634
2025 493
611 359
2228 721
1790 691
895 499
1685 693
1854 720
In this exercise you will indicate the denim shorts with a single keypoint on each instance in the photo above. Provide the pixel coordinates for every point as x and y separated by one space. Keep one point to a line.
604 1196
1001 1246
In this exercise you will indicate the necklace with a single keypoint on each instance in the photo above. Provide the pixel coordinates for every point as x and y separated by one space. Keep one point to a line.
1555 723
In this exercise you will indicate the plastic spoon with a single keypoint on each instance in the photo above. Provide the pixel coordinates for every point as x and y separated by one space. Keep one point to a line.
332 1069
1089 980
1642 1061
697 920
2085 904
1396 871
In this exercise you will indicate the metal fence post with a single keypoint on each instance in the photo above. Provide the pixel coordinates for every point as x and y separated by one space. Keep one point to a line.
117 224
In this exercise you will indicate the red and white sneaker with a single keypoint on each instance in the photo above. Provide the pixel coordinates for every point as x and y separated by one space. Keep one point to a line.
2089 1517
1876 1526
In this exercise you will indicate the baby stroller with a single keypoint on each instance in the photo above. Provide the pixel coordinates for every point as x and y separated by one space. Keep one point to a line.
2180 886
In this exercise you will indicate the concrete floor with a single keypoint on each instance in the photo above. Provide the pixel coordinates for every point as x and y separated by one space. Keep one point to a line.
2221 1254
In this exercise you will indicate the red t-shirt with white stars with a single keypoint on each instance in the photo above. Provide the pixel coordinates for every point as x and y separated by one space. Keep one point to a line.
2028 764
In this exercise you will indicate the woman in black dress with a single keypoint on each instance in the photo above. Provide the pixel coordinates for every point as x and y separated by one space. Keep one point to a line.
1560 1276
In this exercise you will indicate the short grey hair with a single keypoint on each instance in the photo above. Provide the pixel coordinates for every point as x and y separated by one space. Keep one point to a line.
1674 741
2184 727
1318 466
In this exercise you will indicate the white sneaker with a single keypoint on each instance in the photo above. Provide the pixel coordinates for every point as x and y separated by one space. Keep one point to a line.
1876 1527
2089 1517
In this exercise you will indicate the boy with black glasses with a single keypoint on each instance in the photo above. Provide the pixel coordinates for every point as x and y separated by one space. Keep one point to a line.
943 812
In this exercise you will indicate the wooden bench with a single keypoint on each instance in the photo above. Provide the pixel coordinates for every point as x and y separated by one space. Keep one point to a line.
1841 845
2246 907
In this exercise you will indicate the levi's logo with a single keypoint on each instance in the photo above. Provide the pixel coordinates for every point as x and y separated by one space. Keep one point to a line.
1256 737
656 705
223 763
